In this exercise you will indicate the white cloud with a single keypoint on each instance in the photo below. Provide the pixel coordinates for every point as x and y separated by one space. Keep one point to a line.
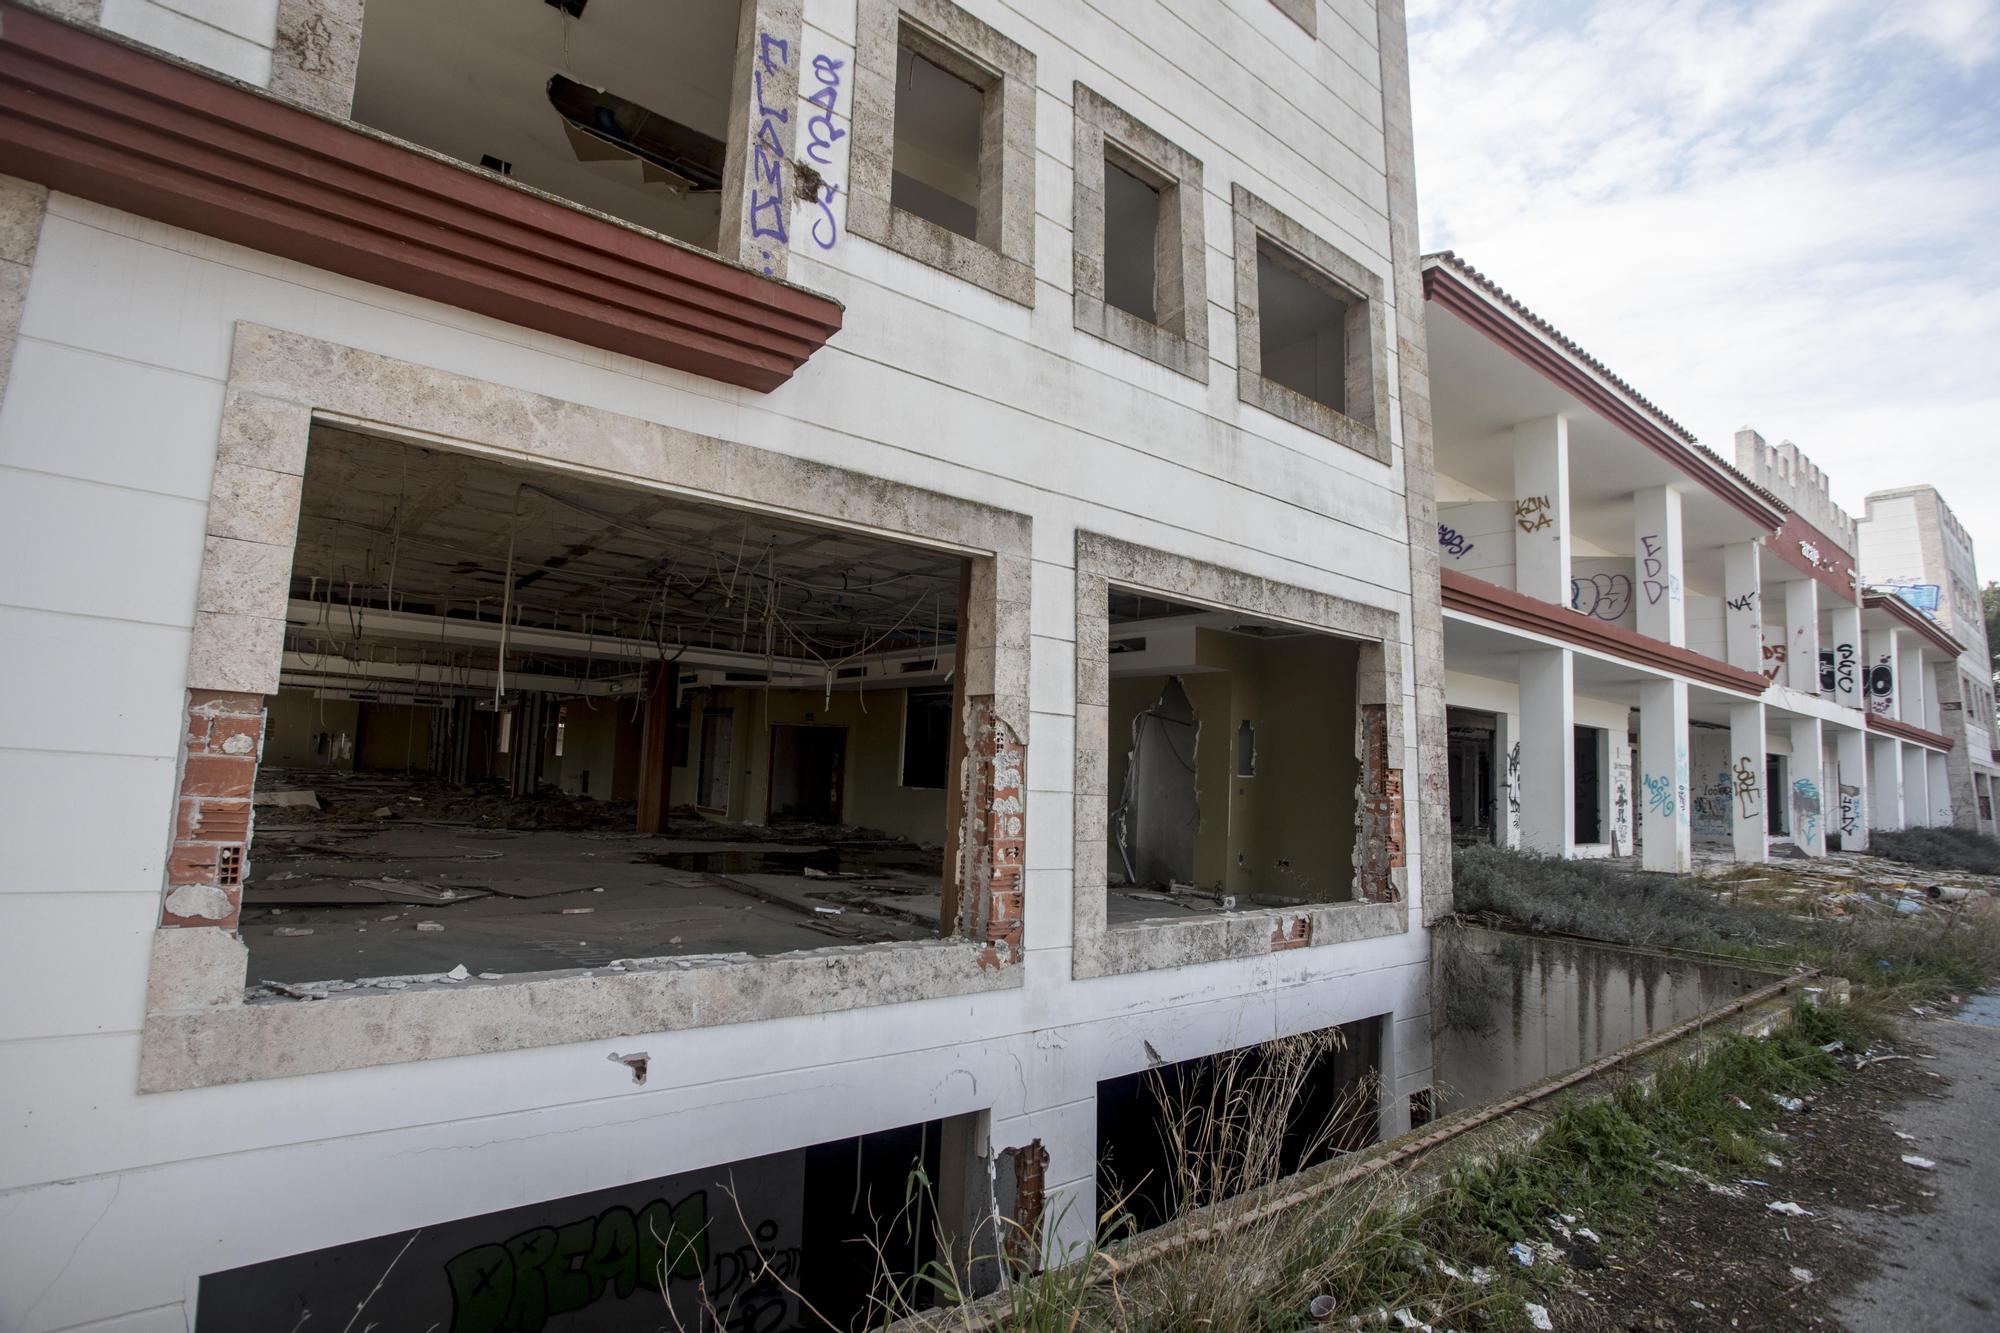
1777 214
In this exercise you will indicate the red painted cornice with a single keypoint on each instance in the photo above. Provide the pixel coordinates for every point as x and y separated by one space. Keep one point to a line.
1909 618
1504 606
1835 567
1909 732
95 117
1446 288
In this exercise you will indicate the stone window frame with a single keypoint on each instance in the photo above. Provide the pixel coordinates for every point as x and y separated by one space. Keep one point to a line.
1180 273
1321 263
1381 904
1305 13
1002 259
198 1032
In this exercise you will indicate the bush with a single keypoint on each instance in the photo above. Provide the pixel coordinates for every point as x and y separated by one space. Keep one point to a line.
1939 849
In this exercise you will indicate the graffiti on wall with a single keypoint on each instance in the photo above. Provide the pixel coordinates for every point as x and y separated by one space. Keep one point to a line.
1453 541
1534 513
1850 810
1749 782
1657 583
1601 596
1712 802
1659 794
1514 784
1805 810
1681 780
1774 660
1836 670
1745 602
823 134
1881 686
770 133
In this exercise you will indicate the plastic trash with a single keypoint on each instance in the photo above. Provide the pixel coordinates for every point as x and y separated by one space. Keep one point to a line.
1802 1274
1524 1253
1321 1309
1538 1315
1921 1163
1788 1208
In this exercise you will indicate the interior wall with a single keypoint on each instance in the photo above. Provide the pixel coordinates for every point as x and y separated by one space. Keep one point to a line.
602 741
295 721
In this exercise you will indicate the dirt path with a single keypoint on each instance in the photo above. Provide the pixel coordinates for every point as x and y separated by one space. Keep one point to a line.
1885 1245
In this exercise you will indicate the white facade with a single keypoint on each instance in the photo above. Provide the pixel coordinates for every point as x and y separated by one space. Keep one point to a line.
118 1201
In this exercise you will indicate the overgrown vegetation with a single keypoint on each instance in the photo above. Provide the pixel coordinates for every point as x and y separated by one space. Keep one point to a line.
1939 849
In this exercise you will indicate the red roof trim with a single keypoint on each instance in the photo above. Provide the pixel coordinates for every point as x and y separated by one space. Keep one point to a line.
1489 601
1836 573
1912 619
1623 408
1908 731
109 122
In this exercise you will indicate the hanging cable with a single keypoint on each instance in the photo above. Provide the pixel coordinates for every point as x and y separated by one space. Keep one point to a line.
507 600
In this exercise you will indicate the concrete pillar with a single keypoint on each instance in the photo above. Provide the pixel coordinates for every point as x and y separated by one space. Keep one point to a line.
1746 780
1663 776
1850 812
1940 783
757 172
1545 776
1802 635
1849 667
1885 783
1507 815
1656 550
1882 649
1916 788
1541 509
1742 611
1910 681
1808 794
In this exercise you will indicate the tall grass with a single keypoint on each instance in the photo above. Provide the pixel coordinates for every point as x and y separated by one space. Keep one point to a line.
1939 849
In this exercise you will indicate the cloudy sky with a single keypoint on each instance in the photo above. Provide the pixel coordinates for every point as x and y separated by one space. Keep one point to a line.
1775 213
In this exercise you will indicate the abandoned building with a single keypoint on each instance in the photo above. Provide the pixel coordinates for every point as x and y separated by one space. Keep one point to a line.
626 623
1652 651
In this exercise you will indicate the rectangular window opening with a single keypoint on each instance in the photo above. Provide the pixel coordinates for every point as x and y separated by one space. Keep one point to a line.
939 156
620 108
1132 204
606 766
1209 699
1301 328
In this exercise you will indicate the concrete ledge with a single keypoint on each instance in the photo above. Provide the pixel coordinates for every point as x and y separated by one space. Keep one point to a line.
204 1048
1184 942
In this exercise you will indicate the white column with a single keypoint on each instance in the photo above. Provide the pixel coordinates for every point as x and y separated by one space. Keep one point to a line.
1802 635
1849 668
1885 782
1546 775
1882 649
1663 776
1916 787
1808 794
1850 813
1656 552
1507 736
1910 681
1541 509
1746 778
1742 613
1940 789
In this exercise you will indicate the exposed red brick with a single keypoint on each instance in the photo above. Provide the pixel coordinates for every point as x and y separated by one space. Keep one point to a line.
197 732
1380 845
994 913
1297 935
1024 1238
191 863
225 702
218 821
219 775
236 735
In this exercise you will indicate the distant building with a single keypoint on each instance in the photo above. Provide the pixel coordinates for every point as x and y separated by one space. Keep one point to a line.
1915 549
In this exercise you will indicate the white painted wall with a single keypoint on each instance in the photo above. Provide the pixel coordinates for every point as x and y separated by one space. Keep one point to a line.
115 1203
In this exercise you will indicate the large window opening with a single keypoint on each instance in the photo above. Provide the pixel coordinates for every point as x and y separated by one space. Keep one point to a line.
1189 829
940 128
623 108
1187 1135
529 721
1301 327
1473 739
1587 745
830 1235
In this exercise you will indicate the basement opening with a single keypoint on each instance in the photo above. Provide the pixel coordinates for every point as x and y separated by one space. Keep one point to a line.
1177 1137
620 108
1233 771
531 722
764 1243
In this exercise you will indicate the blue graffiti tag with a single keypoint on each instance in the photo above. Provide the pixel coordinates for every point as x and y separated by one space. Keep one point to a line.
1659 794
